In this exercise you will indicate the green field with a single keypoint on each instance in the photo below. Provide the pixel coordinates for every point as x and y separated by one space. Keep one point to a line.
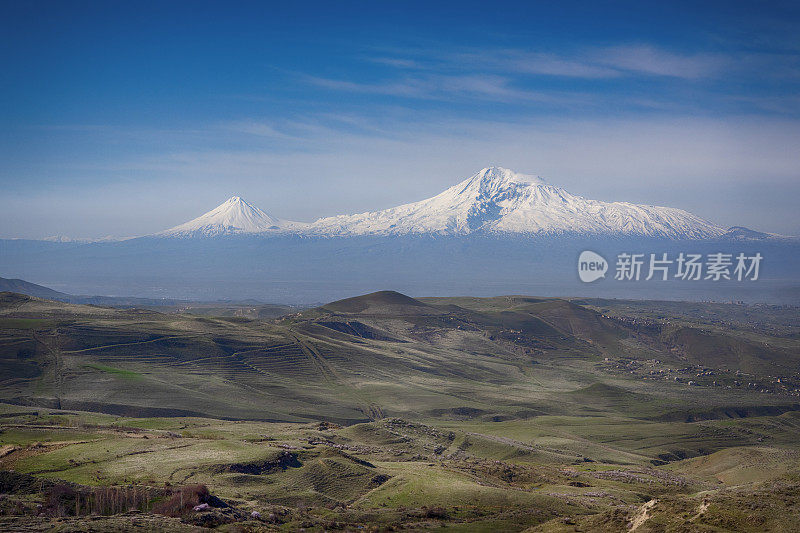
387 412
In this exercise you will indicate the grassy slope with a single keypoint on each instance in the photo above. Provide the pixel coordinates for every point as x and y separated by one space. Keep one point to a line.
502 476
523 411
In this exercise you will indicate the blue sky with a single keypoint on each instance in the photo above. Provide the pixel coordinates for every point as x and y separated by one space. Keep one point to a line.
127 118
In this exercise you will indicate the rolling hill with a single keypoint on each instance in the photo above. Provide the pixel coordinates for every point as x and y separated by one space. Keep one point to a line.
381 354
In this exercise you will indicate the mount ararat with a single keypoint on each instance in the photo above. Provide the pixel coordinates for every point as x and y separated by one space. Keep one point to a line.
495 200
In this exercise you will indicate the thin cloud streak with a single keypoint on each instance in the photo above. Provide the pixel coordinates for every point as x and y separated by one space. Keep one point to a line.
447 88
589 63
655 78
649 60
434 87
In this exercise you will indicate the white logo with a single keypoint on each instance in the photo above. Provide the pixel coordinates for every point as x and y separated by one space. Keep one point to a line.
591 266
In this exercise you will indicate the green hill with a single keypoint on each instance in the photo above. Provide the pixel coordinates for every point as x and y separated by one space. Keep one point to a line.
382 354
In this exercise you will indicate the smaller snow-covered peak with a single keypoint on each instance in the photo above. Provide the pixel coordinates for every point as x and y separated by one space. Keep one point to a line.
235 215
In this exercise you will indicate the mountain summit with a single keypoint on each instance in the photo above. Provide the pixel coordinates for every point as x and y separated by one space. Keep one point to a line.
231 217
499 200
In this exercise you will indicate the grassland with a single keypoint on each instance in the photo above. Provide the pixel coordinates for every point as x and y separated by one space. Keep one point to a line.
385 412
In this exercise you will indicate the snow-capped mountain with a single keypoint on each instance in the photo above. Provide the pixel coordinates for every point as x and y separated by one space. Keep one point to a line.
498 200
231 217
493 201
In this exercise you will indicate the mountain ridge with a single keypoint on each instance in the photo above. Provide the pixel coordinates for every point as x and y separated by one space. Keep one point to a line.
495 200
499 200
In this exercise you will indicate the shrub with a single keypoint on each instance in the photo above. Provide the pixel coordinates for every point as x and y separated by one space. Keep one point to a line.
182 500
59 500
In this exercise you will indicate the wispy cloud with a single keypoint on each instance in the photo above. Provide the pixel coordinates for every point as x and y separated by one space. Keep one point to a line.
552 65
443 87
257 128
650 60
395 62
520 76
523 62
587 62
